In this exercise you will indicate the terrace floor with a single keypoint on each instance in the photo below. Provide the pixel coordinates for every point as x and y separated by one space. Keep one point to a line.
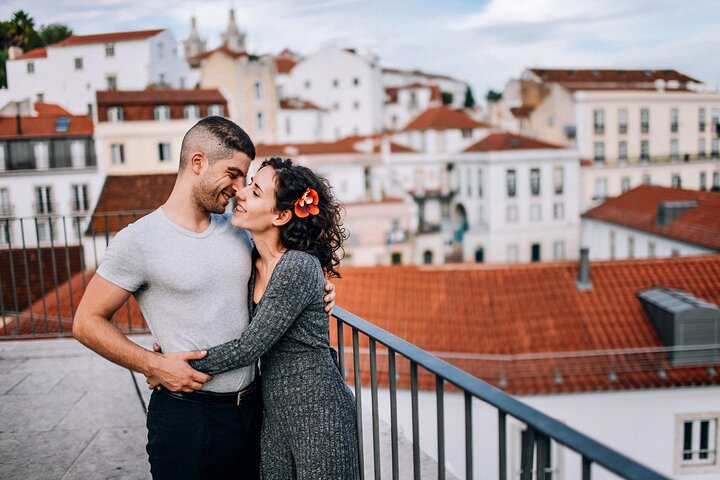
67 413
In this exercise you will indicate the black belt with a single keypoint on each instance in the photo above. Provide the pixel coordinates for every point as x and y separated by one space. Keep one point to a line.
200 396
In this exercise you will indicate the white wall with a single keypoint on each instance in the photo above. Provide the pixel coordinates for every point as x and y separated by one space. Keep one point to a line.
638 423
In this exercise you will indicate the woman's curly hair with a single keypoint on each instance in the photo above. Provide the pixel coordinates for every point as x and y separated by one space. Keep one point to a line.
321 235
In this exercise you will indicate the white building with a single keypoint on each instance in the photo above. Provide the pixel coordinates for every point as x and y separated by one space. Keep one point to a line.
632 126
404 103
453 89
346 84
299 121
48 171
71 71
650 221
517 199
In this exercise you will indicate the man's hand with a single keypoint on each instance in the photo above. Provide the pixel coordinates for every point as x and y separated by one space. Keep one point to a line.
174 373
330 297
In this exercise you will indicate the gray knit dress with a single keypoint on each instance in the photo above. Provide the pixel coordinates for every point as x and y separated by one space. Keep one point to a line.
309 430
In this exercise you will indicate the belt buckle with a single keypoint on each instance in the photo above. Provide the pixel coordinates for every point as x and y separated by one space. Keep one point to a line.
239 396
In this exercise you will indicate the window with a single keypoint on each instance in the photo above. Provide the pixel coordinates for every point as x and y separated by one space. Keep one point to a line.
599 152
646 179
78 154
558 250
716 181
511 253
703 181
109 49
535 252
714 148
216 109
631 247
558 211
356 81
701 148
413 100
259 121
356 106
396 258
644 120
258 90
161 112
480 183
117 153
644 151
336 83
307 84
599 121
163 151
651 249
6 209
701 120
41 151
612 244
535 181
511 214
535 213
288 126
427 257
674 120
466 132
111 82
114 114
696 443
622 151
674 252
624 184
676 180
160 49
43 200
622 120
191 112
81 201
674 150
40 97
600 188
78 63
30 68
510 180
558 179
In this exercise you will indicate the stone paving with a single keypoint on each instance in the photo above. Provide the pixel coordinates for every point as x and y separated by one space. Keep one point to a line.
67 413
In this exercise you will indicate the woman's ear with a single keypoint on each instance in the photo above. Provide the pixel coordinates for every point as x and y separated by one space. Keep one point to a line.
282 218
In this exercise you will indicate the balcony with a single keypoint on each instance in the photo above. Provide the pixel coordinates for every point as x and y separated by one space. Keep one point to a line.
670 158
68 413
22 156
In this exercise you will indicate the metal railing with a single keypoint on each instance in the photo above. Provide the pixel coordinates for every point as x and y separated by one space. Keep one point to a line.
536 442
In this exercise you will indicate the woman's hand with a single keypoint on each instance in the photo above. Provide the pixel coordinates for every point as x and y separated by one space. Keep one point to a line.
330 297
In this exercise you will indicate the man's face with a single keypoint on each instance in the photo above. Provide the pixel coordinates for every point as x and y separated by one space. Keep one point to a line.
219 181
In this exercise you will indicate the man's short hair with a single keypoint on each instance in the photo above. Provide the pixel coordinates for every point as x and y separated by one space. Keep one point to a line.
218 138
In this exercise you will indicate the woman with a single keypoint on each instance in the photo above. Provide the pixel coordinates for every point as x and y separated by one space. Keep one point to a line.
309 429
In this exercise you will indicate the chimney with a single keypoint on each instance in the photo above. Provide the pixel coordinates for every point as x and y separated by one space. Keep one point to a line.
14 52
668 212
583 282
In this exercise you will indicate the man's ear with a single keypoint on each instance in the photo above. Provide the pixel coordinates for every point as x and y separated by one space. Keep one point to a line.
198 160
282 218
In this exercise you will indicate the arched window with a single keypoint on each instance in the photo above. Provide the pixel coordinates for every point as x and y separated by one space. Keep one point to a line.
427 257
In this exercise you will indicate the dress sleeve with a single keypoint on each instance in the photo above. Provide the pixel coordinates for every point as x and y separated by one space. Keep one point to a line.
293 286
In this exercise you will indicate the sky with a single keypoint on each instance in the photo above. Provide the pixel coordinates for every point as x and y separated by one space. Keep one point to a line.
482 42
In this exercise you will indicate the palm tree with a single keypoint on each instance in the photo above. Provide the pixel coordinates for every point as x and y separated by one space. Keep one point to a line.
21 28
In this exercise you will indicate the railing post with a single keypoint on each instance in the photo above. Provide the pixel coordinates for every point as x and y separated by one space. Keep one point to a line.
502 445
415 419
586 468
358 400
374 401
468 437
440 405
393 414
527 450
341 347
543 456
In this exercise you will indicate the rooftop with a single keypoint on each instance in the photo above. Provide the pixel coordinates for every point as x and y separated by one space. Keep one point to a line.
614 79
51 121
159 96
444 118
503 141
107 37
638 209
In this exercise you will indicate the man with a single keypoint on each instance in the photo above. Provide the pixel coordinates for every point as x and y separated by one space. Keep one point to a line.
188 268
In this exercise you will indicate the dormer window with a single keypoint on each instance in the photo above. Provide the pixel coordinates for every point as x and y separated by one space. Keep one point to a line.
162 112
191 112
115 114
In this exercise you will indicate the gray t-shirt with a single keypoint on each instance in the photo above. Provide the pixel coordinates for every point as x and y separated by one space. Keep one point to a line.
191 287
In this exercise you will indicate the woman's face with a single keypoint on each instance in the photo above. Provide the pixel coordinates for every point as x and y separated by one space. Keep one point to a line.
255 210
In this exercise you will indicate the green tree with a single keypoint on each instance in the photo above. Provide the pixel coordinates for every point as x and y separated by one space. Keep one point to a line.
469 99
493 96
53 33
21 28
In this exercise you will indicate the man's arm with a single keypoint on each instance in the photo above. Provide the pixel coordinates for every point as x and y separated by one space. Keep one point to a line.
92 327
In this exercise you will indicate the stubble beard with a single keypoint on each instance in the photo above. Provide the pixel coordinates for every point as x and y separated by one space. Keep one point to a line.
205 198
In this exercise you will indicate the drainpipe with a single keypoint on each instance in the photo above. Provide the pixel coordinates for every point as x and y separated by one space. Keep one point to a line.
583 282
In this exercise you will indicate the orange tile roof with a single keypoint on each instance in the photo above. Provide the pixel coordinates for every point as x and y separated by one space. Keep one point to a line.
341 146
224 49
471 314
443 118
44 126
50 109
34 53
107 37
285 65
159 96
138 194
609 79
508 141
298 104
637 209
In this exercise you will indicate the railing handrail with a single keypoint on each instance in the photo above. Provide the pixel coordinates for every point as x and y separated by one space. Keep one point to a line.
598 453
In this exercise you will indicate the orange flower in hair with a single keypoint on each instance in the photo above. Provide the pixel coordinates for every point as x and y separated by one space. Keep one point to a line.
307 204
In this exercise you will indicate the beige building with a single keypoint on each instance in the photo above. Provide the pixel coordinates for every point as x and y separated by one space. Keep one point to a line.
630 126
248 82
141 132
